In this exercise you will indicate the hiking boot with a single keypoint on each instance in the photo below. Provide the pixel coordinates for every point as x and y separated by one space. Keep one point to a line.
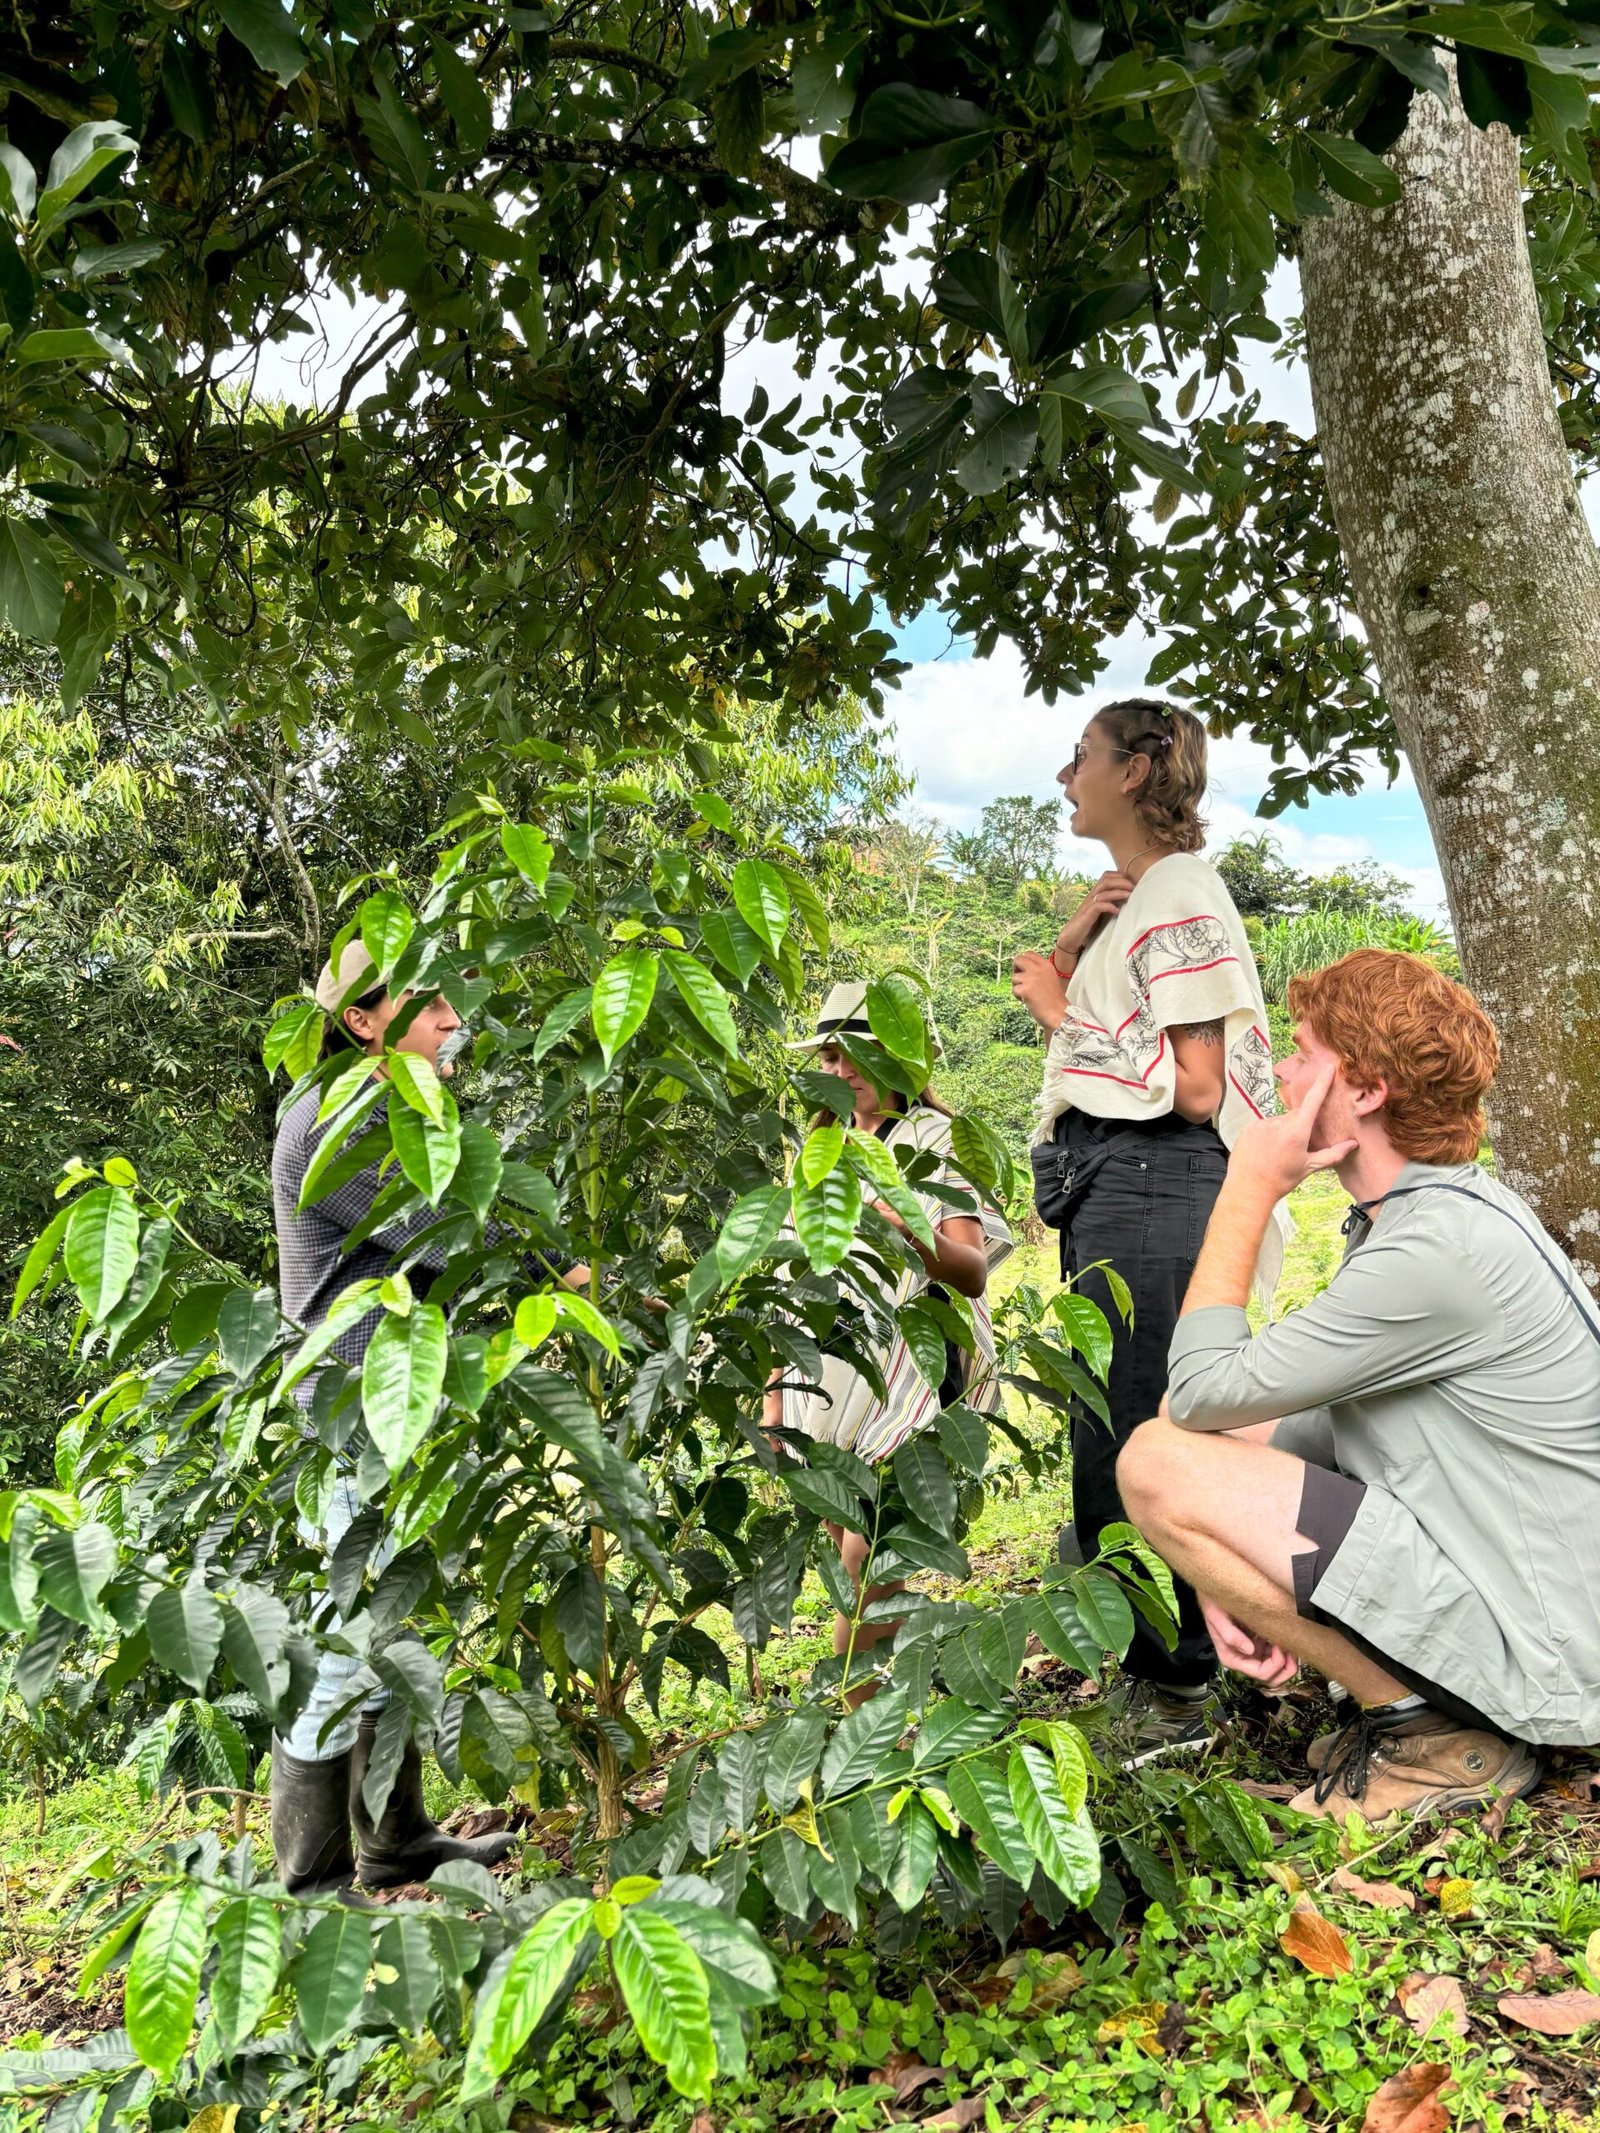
404 1844
1317 1749
1422 1763
1148 1719
310 1816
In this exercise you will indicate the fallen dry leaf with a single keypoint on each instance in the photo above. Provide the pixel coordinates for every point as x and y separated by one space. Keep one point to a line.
1546 1964
703 2123
1410 2102
905 2073
1591 1954
1552 2014
1141 2022
956 2118
1384 1894
1266 1792
1053 1975
1426 1999
1518 2096
1280 1871
1455 1897
1493 1819
1314 1941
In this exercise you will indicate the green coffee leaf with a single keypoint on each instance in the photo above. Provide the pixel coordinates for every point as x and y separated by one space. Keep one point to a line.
406 1949
330 1975
39 1259
753 1225
895 1017
164 1978
762 899
402 1381
476 1178
1084 1325
731 942
982 1798
825 1217
823 1147
247 1326
792 1756
1060 1837
950 1729
665 1985
927 1483
915 1857
249 1941
386 929
74 1568
185 1628
428 1153
864 1737
416 1081
704 998
528 848
102 1248
510 2011
255 1630
622 995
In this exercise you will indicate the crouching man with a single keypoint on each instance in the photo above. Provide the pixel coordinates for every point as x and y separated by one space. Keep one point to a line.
1422 1523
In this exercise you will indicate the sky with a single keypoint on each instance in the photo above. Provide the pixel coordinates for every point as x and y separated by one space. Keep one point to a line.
964 728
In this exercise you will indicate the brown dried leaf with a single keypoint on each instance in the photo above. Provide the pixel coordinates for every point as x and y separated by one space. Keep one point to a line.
1266 1792
1410 2102
1493 1819
1426 1999
906 2073
1280 1871
1552 2014
1518 2096
1312 1940
1384 1894
956 2118
1546 1964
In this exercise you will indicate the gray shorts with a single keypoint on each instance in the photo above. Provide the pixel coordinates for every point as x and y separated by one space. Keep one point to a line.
1329 1502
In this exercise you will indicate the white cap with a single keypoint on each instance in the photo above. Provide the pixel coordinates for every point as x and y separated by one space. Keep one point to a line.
342 985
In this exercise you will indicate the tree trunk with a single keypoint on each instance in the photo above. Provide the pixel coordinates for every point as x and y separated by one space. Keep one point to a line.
1476 576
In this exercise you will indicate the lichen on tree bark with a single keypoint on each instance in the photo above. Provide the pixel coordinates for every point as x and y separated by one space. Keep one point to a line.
1475 573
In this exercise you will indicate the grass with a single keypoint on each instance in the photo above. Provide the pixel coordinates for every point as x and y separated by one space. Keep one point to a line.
1203 2019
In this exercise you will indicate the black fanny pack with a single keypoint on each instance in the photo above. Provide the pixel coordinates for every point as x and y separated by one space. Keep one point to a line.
1063 1174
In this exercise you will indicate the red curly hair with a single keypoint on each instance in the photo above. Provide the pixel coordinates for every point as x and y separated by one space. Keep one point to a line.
1394 1018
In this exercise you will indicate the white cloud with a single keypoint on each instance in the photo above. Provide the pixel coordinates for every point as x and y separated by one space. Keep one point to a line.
967 730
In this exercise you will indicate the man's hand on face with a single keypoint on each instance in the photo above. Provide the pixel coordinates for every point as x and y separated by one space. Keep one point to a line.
1277 1153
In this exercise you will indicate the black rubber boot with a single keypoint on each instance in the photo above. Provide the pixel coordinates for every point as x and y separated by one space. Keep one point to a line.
403 1844
311 1822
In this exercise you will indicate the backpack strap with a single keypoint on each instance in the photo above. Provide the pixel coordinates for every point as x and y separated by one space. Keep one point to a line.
1361 1210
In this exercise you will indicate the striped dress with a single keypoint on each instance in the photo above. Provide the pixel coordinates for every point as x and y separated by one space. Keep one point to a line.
844 1409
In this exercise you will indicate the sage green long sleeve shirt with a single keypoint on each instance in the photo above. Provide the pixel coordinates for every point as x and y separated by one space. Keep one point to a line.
1446 1368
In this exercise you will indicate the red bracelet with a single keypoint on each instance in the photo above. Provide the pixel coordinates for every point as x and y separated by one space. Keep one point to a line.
1056 967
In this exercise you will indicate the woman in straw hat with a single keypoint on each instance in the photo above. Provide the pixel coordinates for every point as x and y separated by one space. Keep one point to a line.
844 1408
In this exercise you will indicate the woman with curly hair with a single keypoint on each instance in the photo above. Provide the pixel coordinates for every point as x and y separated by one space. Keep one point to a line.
1158 1052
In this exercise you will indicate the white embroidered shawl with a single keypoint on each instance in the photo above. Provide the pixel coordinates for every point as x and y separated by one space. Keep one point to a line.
1175 954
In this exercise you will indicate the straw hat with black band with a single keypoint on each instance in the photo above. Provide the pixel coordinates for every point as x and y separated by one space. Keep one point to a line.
844 1014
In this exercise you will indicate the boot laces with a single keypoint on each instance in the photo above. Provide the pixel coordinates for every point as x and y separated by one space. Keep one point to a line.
1356 1747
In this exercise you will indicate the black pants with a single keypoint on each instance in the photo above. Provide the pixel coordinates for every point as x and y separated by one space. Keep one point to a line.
1145 1210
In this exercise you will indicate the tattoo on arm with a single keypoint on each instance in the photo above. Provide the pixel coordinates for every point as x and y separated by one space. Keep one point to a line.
1202 1032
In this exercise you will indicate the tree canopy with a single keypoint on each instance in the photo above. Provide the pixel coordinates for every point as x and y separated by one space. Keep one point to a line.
1010 231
